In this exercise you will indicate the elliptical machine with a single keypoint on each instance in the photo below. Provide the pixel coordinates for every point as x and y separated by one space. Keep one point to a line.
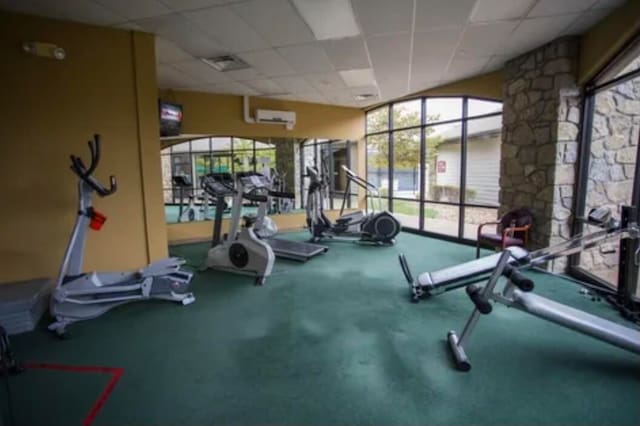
79 296
374 228
241 251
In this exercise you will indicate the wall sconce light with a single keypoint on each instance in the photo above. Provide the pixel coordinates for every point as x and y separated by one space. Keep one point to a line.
44 50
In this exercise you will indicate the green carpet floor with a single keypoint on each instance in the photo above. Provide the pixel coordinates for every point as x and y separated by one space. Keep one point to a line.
331 342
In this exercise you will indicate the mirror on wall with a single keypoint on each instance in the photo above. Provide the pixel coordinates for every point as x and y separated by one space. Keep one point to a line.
283 160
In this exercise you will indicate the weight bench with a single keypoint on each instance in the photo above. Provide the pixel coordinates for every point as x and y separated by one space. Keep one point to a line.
462 275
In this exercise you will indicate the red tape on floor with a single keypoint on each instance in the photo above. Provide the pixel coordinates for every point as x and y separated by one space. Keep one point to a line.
116 373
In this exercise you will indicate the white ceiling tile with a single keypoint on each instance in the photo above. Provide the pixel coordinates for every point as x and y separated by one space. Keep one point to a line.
500 10
276 20
432 48
181 31
586 20
171 78
357 78
244 75
129 26
383 16
167 52
389 52
328 19
231 88
532 33
303 97
392 88
556 7
73 10
267 62
361 90
201 72
294 84
608 4
181 5
485 39
227 28
137 9
306 58
322 82
89 12
339 97
462 67
419 84
437 14
347 53
495 63
265 87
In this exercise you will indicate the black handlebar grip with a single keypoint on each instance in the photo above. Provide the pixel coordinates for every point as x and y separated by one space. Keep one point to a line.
257 198
278 194
475 294
518 279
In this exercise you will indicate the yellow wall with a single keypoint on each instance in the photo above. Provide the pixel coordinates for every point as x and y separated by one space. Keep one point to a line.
207 113
50 109
601 43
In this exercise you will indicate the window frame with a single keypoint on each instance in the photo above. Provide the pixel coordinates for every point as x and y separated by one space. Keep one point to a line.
423 126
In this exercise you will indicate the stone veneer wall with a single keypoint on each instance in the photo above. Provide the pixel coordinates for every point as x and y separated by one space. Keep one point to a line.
541 112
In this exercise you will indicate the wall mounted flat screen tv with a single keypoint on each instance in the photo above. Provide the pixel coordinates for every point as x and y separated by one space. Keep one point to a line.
170 118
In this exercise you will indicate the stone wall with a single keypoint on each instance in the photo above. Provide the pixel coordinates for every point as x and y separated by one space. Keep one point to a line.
541 112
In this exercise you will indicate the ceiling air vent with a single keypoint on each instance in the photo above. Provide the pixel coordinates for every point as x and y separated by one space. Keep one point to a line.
365 96
226 63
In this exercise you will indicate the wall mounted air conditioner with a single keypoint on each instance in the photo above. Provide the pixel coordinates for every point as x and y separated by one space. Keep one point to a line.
288 118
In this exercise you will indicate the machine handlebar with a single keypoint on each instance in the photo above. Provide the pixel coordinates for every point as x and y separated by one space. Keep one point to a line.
518 279
278 194
358 180
84 173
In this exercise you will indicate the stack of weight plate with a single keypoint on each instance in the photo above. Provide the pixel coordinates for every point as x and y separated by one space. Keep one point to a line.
22 304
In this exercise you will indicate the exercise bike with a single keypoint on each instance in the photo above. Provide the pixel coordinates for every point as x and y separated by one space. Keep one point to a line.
375 228
241 251
79 296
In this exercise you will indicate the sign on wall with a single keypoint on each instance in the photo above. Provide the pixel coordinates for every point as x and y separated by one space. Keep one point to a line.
442 166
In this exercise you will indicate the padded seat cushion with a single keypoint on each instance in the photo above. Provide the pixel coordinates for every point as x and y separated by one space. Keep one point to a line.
497 239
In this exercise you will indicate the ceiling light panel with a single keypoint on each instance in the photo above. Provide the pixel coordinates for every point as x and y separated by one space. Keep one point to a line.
227 28
276 21
356 78
328 19
500 10
384 16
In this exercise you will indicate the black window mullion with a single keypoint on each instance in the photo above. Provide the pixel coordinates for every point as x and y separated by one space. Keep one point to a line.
463 168
423 154
390 150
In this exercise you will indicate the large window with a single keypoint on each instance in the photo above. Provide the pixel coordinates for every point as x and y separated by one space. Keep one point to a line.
608 161
436 161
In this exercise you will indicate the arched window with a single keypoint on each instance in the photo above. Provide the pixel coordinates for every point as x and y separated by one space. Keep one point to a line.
436 161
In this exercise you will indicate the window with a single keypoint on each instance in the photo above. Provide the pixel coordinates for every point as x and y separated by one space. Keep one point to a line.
608 162
438 167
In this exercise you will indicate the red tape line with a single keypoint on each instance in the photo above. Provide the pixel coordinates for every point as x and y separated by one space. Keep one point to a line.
116 373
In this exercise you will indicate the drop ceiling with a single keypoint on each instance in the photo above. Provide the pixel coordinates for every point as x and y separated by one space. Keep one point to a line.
330 51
